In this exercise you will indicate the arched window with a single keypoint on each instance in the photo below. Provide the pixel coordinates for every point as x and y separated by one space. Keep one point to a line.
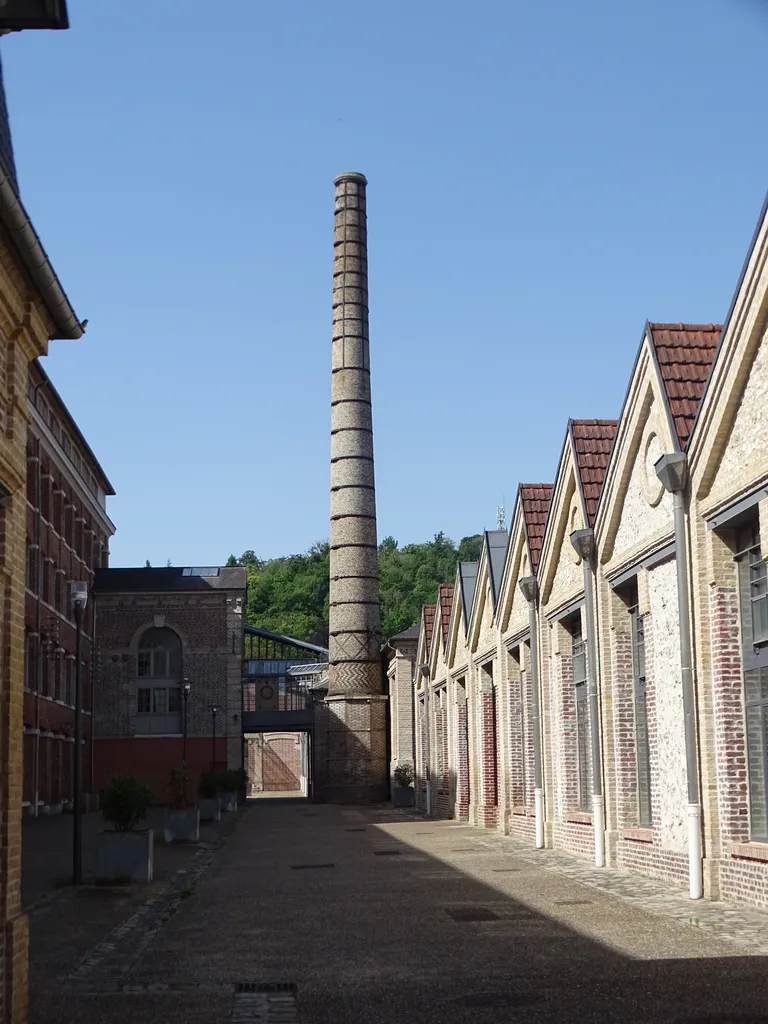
158 668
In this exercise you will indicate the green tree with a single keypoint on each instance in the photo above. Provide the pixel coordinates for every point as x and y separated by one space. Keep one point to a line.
290 595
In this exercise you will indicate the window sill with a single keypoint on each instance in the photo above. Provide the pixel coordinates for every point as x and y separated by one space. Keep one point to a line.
520 812
749 851
638 835
579 818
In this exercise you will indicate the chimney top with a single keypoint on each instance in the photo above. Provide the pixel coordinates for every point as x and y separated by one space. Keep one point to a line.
350 176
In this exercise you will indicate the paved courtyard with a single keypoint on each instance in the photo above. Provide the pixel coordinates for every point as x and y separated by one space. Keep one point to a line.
326 914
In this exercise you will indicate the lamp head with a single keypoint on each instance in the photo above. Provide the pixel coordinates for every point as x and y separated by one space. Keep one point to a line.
424 669
672 470
583 542
529 588
79 592
185 688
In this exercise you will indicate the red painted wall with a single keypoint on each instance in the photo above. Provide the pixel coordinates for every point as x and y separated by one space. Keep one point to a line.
152 760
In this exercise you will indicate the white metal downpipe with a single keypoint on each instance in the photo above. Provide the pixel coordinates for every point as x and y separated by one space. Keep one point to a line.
672 470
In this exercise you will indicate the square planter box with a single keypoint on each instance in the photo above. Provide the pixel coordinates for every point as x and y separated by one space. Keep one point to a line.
209 808
182 826
228 801
125 856
403 796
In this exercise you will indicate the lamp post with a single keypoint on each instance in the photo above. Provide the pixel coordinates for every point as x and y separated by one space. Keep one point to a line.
529 588
79 601
214 712
672 471
185 688
583 542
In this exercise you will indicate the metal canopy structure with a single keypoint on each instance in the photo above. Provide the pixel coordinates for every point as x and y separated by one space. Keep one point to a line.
279 673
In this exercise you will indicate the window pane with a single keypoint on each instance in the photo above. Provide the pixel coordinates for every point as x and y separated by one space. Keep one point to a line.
756 759
642 745
583 752
174 701
159 701
145 663
145 701
160 664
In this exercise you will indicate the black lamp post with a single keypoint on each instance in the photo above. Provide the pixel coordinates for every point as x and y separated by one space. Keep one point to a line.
16 15
79 601
214 712
186 687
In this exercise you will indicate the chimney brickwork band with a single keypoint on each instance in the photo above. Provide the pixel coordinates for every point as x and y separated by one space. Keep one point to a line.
355 633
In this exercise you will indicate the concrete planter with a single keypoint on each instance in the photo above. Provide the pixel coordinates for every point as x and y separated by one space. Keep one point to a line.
228 801
209 808
125 856
403 796
182 826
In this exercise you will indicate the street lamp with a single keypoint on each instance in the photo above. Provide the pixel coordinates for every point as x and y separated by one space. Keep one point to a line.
214 712
16 15
186 687
79 601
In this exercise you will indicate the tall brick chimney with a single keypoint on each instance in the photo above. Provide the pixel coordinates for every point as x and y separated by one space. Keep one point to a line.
357 768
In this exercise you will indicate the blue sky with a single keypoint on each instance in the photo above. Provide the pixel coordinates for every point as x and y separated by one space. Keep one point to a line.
543 178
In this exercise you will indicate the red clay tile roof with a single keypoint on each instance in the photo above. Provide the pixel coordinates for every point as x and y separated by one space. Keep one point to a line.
684 353
445 603
429 623
593 440
535 499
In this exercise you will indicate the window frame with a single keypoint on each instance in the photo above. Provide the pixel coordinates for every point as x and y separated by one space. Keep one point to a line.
748 555
580 685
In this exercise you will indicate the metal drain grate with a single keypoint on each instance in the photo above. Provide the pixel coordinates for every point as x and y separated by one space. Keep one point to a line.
481 1000
310 867
265 986
462 914
386 853
354 830
465 849
264 1003
573 903
501 871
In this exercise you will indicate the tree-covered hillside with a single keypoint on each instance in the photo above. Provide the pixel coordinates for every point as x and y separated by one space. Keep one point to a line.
290 595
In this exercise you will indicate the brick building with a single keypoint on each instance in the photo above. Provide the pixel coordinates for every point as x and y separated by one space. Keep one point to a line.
67 539
156 629
34 310
599 687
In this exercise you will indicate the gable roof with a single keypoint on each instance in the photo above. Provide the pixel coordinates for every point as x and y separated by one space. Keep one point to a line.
497 542
467 583
592 440
445 604
429 624
684 354
535 500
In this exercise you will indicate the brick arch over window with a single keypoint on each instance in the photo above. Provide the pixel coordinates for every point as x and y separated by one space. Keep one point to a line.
159 667
136 638
159 654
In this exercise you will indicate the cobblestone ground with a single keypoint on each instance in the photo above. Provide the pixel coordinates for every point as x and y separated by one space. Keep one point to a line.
329 915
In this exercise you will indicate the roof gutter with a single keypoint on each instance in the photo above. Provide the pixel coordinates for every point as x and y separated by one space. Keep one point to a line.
33 256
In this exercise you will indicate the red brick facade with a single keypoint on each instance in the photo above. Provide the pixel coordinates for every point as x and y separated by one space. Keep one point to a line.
67 539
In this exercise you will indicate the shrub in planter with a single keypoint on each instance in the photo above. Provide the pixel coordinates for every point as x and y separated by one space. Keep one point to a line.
403 794
229 784
182 822
208 791
123 853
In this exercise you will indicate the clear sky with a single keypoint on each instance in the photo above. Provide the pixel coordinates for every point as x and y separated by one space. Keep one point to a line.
543 178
